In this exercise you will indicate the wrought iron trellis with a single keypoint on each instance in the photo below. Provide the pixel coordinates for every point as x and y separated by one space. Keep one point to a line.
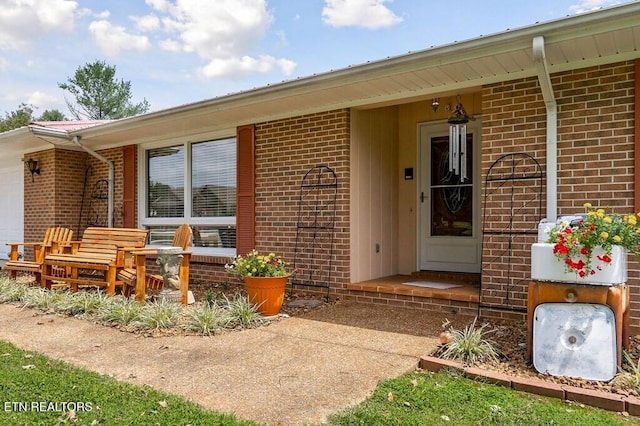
98 204
315 229
512 211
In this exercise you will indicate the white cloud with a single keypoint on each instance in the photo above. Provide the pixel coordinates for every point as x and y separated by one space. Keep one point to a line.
4 63
245 65
146 23
588 5
23 21
111 39
42 100
359 13
222 33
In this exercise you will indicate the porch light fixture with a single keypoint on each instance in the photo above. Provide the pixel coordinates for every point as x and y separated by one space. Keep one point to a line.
32 166
458 141
435 103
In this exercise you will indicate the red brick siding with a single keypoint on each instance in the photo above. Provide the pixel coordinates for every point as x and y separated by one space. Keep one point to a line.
285 151
595 158
55 196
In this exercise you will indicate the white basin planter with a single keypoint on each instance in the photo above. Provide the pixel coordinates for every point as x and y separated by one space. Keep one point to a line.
545 266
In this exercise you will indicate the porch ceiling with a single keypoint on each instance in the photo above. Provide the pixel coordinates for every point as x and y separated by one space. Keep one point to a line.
579 41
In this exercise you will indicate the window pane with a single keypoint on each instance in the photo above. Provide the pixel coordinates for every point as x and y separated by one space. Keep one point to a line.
214 236
161 235
214 178
165 182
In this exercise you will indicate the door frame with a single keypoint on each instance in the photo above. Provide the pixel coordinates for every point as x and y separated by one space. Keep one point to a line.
434 128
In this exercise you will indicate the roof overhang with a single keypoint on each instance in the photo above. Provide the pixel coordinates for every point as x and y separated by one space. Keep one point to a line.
605 36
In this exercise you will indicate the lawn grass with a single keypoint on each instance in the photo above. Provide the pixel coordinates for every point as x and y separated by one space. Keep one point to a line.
424 398
36 390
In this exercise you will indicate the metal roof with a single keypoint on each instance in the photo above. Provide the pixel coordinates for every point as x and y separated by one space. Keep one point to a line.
604 36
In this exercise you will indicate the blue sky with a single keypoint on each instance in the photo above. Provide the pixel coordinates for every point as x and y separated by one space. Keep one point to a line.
176 52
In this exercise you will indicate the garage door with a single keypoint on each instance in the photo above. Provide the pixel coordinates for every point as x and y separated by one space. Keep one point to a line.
11 204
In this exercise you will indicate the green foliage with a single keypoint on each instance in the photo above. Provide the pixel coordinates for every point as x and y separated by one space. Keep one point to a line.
206 318
98 95
255 264
42 298
159 314
423 398
121 311
52 115
83 302
11 291
18 118
469 345
242 313
628 378
23 115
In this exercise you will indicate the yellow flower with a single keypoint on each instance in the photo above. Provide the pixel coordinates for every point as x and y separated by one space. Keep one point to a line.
600 212
587 205
632 220
607 219
617 238
604 235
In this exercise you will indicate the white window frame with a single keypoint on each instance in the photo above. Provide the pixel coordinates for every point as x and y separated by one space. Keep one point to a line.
146 221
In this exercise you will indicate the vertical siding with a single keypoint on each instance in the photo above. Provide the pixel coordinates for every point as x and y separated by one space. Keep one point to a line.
374 199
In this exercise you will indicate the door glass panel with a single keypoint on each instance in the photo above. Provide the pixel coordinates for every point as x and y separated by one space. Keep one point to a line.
451 199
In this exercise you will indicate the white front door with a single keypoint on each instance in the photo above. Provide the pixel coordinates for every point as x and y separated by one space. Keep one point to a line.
449 207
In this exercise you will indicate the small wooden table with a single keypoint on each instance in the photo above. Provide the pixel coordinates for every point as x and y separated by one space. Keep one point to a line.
141 273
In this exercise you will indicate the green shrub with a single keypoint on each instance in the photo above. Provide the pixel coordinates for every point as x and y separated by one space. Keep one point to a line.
206 318
242 313
470 345
82 302
159 314
121 311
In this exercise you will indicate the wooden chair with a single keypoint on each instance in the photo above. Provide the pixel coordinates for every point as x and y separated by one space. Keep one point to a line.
129 276
101 252
55 239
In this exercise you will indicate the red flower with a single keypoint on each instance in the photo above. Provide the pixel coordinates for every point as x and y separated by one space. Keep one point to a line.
584 251
605 258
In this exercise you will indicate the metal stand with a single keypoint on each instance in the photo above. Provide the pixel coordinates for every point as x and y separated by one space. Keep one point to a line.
315 230
512 211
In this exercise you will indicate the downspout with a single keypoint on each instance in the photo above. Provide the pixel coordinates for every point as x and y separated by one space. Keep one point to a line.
552 127
76 140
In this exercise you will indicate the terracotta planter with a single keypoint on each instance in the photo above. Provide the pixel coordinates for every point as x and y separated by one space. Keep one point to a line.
267 293
545 266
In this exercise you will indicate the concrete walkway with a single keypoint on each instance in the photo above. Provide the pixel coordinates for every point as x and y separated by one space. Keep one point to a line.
291 372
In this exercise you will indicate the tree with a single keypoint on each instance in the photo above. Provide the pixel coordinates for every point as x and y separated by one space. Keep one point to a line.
52 115
98 95
18 118
24 115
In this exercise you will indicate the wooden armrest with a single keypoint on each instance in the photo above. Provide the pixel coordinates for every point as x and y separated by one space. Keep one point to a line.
23 244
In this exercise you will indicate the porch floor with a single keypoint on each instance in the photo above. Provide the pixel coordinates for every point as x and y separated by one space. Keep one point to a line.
467 292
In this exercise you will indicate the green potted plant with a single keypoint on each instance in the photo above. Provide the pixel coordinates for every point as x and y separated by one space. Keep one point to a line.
265 277
592 249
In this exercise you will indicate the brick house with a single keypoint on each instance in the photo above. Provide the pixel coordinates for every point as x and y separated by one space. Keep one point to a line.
562 94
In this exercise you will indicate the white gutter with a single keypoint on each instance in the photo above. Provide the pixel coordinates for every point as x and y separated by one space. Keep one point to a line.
76 140
552 127
44 132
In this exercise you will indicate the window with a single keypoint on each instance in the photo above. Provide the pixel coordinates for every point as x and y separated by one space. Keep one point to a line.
193 183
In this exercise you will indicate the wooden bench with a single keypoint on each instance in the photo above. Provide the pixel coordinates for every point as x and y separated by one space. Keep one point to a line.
54 240
101 250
